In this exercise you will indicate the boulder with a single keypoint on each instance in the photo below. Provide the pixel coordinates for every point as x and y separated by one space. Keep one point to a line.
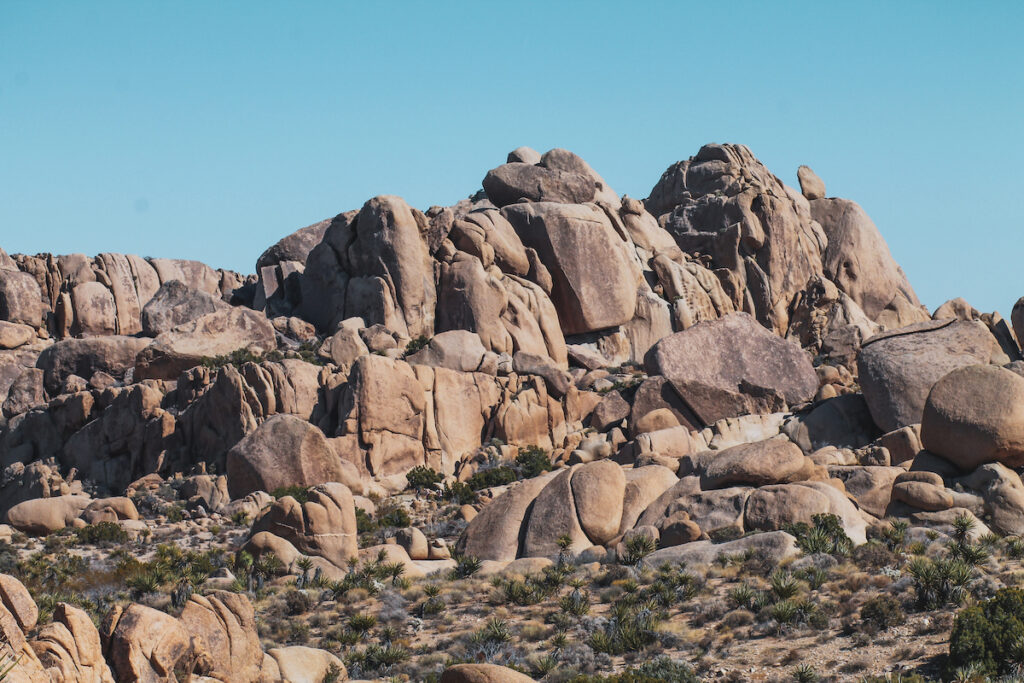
391 406
69 648
13 335
293 247
18 601
95 313
175 303
214 334
598 489
414 542
1003 495
558 381
21 300
113 355
811 186
713 510
42 516
26 392
975 415
922 495
494 533
552 516
299 664
897 369
612 410
344 347
513 182
870 486
843 422
858 261
144 644
772 461
283 451
733 366
566 237
324 526
773 507
457 350
773 547
223 629
482 673
643 486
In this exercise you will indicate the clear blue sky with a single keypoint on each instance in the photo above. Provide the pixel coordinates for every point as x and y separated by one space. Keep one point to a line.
208 130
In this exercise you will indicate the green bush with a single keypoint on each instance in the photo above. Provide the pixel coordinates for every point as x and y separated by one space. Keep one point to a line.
101 532
824 535
532 461
459 492
939 582
415 345
495 476
990 635
421 477
299 493
882 612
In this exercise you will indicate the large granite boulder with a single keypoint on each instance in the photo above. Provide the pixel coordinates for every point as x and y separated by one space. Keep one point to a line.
283 451
21 301
214 334
568 238
324 525
733 366
975 415
897 369
175 303
113 355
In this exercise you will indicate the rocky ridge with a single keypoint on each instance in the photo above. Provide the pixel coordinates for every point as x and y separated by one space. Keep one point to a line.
715 364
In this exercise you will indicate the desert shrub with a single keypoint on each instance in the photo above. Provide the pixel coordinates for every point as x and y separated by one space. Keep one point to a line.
532 461
308 351
299 493
638 547
422 477
873 555
494 476
393 516
466 566
238 357
415 345
990 635
939 582
882 612
458 492
725 533
660 669
364 523
824 535
296 602
101 532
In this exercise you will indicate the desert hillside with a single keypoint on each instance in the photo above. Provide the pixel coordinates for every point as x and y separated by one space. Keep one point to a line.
548 433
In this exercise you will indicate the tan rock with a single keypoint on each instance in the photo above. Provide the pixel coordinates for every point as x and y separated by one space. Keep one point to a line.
598 489
974 415
299 664
324 526
922 495
283 451
69 648
16 598
415 543
493 534
773 461
145 644
811 185
659 418
223 626
13 335
42 516
482 673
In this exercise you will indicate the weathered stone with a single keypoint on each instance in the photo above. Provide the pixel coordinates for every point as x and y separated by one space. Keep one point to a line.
299 664
733 366
897 369
811 186
223 628
21 301
325 525
113 355
974 415
283 451
42 516
773 461
566 236
772 547
597 491
176 304
145 644
69 648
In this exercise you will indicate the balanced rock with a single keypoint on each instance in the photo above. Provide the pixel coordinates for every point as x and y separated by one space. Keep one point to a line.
283 451
898 369
975 415
734 366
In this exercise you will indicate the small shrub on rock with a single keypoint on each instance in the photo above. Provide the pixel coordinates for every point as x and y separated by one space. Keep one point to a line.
101 533
824 535
422 477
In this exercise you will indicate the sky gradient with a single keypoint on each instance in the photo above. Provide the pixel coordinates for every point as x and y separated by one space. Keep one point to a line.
210 130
